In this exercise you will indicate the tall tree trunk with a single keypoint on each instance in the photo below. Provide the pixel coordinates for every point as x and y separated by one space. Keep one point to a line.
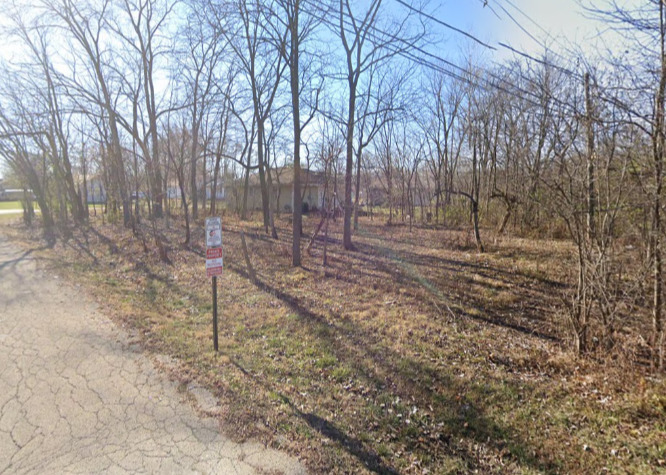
194 191
591 192
183 197
655 241
224 123
246 189
265 206
358 190
349 166
297 221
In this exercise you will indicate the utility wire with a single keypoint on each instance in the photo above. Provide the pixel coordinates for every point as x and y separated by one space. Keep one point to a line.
444 24
603 95
543 30
378 34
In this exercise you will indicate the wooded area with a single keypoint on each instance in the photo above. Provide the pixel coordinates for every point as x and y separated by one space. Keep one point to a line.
157 100
396 170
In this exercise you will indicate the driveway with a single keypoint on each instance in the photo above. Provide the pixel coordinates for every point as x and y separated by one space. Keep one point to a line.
76 397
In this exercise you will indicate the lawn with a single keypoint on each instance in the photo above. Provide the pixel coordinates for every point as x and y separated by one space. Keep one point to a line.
6 205
411 354
17 205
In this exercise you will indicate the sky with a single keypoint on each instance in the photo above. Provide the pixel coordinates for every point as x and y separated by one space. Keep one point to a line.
559 24
556 23
526 25
561 20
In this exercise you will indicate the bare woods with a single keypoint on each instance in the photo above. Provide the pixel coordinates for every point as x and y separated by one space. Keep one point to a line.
156 108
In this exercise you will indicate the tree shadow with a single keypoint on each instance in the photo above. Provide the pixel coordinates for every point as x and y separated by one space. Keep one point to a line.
394 373
432 274
25 255
370 460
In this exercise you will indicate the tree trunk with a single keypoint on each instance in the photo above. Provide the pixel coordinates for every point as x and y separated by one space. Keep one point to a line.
297 221
591 193
265 205
349 168
655 241
358 190
475 218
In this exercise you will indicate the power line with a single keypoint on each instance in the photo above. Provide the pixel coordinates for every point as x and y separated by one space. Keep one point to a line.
602 94
444 24
482 82
519 25
466 77
502 44
531 20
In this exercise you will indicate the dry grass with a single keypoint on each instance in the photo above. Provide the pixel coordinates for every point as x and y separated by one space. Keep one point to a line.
412 354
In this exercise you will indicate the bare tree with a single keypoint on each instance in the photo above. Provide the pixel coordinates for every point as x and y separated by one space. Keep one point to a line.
293 15
645 25
440 127
203 51
87 25
18 130
365 46
177 139
146 19
263 66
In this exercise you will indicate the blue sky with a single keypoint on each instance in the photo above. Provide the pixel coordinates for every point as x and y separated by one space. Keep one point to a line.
562 19
559 24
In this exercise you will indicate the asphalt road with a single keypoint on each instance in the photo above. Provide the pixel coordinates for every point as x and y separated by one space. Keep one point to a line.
77 397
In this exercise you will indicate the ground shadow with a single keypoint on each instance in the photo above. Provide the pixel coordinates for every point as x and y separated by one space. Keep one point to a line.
392 373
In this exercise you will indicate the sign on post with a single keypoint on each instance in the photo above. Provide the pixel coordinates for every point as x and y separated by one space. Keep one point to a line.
214 257
213 232
214 262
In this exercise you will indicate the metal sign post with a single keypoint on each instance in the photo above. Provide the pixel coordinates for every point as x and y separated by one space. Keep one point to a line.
214 263
215 313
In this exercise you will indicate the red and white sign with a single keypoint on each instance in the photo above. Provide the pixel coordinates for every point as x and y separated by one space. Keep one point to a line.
214 255
214 261
214 267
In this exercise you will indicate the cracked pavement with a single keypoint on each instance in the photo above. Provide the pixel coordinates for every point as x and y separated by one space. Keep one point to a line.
76 397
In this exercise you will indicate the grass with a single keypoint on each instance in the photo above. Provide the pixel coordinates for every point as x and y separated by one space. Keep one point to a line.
412 354
7 205
16 205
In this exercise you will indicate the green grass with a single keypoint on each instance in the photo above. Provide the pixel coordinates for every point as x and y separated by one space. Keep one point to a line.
16 205
11 205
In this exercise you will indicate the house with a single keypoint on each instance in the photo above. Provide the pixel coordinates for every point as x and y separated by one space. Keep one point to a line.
15 194
219 194
95 191
312 189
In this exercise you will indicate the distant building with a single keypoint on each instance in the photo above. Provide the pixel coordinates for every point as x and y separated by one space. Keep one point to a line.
95 191
219 194
312 189
15 194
